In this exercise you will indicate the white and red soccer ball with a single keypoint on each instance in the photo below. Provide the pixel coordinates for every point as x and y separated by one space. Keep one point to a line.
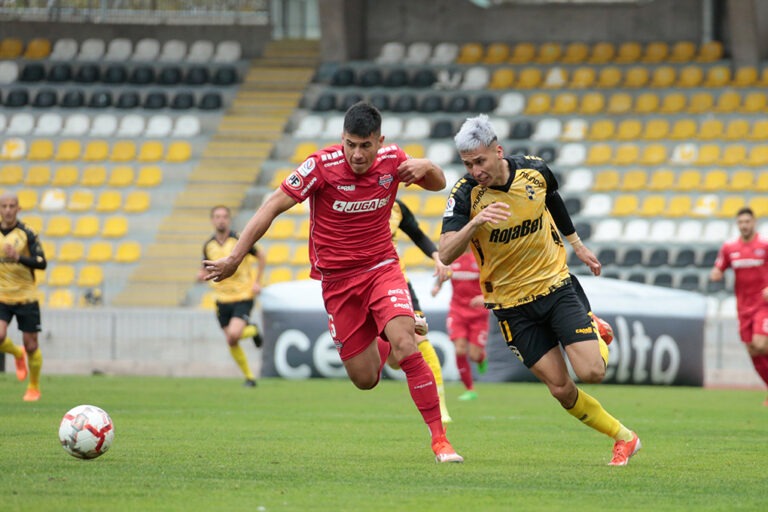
86 432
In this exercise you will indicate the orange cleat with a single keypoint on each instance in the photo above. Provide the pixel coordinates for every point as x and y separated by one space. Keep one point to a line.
444 452
32 395
603 328
21 366
623 450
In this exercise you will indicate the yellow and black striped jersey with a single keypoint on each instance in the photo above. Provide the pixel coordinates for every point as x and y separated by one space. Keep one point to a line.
17 279
240 285
523 257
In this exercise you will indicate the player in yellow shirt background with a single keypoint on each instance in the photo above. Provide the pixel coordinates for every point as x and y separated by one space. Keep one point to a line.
235 296
20 255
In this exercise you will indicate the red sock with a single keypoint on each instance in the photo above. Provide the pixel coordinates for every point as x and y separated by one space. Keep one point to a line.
421 384
465 372
384 349
761 366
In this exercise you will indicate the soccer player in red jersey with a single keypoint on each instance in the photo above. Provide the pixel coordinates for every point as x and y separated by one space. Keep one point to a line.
467 320
351 188
748 257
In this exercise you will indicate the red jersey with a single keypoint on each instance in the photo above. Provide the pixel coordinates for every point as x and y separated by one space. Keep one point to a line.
349 213
465 281
749 261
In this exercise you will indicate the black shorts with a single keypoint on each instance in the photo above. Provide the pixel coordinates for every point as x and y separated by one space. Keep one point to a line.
533 329
226 311
27 315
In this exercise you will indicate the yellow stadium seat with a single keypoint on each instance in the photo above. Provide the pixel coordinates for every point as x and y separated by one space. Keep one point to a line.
278 275
709 154
565 103
583 78
690 76
109 201
549 53
609 77
302 233
137 201
61 275
661 180
647 103
737 129
602 53
754 103
759 206
575 53
683 129
655 52
729 205
151 151
49 249
715 180
625 204
629 52
523 53
121 176
149 176
602 129
71 252
61 299
679 206
99 252
759 131
68 151
11 174
40 150
496 53
37 48
700 103
626 154
629 129
37 176
58 226
80 200
634 180
592 103
11 48
128 251
733 154
123 151
538 103
279 176
529 78
728 101
93 176
606 181
470 53
412 201
741 181
710 51
179 151
278 254
653 205
673 103
282 229
96 151
502 78
689 180
301 151
682 51
33 222
663 76
636 76
434 206
90 276
745 76
415 150
656 129
27 198
717 76
619 103
115 227
599 154
654 154
300 256
758 156
413 257
710 129
86 226
40 276
761 182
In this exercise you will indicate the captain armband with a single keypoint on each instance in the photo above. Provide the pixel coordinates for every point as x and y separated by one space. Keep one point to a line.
574 240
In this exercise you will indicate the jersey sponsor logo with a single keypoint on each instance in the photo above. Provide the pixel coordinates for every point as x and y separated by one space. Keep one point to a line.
309 186
294 181
747 263
360 206
307 167
384 157
533 179
480 194
346 188
387 149
386 180
528 226
449 206
326 157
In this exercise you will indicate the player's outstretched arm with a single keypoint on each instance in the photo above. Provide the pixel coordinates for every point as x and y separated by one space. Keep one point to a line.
422 172
277 202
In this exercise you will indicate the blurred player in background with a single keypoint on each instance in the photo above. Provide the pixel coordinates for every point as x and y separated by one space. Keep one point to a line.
402 219
748 257
352 187
467 320
235 297
510 213
20 255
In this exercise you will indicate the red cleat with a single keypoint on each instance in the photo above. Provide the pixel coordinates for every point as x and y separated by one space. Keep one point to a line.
603 328
21 366
623 450
444 452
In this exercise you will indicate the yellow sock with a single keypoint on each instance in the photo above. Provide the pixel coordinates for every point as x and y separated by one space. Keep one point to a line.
430 356
9 347
239 356
35 365
249 332
591 413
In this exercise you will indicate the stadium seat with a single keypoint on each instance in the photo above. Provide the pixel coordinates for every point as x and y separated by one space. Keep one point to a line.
121 176
159 126
48 124
575 53
625 204
11 174
628 52
754 103
99 252
444 53
91 49
728 101
700 103
93 176
123 151
597 205
90 276
109 201
502 78
173 50
64 49
626 154
58 226
27 198
629 129
68 151
178 152
608 230
673 103
572 154
40 150
565 103
96 151
200 51
510 103
745 76
128 251
71 251
733 154
115 227
416 128
602 53
136 201
151 151
538 103
682 51
417 53
61 275
65 176
575 129
476 78
22 123
529 78
36 176
80 200
647 103
729 205
146 50
75 125
86 226
548 129
555 78
663 279
619 103
636 230
633 180
606 181
655 52
119 49
578 180
636 77
662 230
103 125
592 103
710 51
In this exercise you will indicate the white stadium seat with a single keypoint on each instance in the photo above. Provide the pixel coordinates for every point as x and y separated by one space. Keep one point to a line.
637 230
418 53
416 128
75 125
91 49
310 127
174 50
103 125
200 51
49 124
64 49
574 129
510 104
20 124
597 205
146 50
392 127
579 180
663 230
9 71
159 126
227 51
607 230
391 53
131 125
119 49
548 129
187 125
572 154
445 53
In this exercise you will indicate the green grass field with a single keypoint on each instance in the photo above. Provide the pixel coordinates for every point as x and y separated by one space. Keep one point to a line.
210 444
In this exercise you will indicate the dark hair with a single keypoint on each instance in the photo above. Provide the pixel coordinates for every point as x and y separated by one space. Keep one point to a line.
745 211
221 207
362 119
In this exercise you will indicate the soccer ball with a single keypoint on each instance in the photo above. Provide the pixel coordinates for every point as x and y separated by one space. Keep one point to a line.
86 432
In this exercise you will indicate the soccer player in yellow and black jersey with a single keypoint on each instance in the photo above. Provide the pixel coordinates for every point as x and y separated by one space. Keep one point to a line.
509 210
402 219
235 296
20 254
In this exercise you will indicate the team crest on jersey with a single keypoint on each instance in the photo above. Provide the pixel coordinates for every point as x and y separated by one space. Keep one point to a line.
449 206
530 192
307 167
386 180
294 181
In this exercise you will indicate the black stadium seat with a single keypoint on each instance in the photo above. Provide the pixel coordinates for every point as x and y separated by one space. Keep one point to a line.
708 259
183 101
155 100
547 153
325 102
210 101
197 75
442 129
397 77
715 286
632 257
170 75
485 103
127 100
74 98
584 229
380 101
663 279
520 150
458 103
423 78
142 75
60 72
45 98
685 258
371 77
115 74
87 74
607 256
690 282
521 130
100 99
637 277
225 75
32 72
573 205
431 103
349 99
404 103
343 77
658 258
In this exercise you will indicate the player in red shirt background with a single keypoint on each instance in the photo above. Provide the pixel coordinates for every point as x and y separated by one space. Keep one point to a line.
467 320
351 188
748 257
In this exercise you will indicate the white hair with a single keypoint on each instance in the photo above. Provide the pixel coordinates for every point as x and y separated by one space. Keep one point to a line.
474 133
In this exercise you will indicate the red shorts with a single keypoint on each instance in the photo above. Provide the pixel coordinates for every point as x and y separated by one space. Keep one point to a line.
754 323
473 327
360 306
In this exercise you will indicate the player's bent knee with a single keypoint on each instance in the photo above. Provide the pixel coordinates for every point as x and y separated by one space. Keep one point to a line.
592 375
